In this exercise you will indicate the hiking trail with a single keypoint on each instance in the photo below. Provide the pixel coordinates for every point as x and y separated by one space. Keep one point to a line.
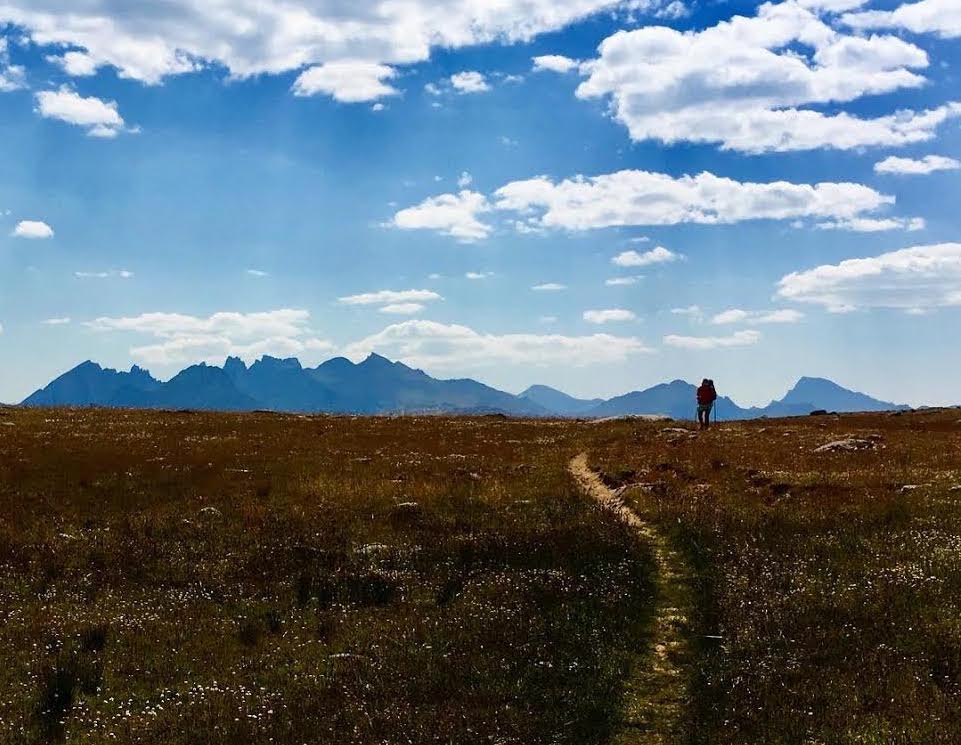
655 695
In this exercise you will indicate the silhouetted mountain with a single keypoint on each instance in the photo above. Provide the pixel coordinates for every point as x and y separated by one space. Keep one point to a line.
676 399
379 386
819 393
375 386
89 384
559 402
200 387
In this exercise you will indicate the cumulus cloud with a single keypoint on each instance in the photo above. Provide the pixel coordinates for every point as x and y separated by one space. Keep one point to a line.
348 81
32 230
436 345
390 297
549 287
745 83
469 81
183 338
737 315
608 316
554 63
737 339
920 277
464 180
637 198
455 215
941 17
403 309
12 77
658 255
478 275
276 36
922 167
100 118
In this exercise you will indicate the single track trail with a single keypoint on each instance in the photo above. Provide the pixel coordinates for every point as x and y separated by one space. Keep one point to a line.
655 696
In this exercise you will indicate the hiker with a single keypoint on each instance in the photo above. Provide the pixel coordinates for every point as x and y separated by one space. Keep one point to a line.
706 396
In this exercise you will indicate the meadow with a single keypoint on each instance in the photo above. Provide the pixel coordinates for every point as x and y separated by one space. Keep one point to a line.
200 578
828 579
177 577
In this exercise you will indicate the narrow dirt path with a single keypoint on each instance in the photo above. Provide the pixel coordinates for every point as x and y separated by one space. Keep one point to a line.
656 692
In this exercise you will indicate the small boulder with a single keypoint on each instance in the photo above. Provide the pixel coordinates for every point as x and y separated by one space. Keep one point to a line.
847 445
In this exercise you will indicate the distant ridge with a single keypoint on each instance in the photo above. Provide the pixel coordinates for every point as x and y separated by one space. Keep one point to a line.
378 386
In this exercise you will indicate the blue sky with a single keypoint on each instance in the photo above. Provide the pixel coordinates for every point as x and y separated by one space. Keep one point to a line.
773 190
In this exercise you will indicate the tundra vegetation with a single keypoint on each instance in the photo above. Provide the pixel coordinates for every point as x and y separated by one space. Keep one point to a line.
176 577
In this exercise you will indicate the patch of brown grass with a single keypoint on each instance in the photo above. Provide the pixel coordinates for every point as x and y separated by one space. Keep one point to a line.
179 578
829 584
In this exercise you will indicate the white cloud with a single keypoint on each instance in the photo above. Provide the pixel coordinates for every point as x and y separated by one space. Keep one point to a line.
470 81
390 297
547 319
692 311
941 17
99 118
737 339
736 315
918 277
744 82
12 77
257 273
436 345
658 255
121 273
622 281
403 309
75 64
635 198
464 180
554 63
479 275
873 225
33 230
56 322
549 287
184 338
349 81
277 36
608 316
927 164
455 215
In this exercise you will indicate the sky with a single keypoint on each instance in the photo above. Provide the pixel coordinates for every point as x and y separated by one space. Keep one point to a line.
589 194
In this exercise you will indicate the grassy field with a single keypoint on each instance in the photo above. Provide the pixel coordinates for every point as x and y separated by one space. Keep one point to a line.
192 578
199 578
828 583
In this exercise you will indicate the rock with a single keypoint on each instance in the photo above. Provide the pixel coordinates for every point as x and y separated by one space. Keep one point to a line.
211 512
819 412
848 445
956 487
908 488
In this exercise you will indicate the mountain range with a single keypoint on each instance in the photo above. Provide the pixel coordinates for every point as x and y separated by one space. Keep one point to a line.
379 386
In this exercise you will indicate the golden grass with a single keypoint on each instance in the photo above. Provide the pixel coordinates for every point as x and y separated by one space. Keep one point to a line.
200 578
829 583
